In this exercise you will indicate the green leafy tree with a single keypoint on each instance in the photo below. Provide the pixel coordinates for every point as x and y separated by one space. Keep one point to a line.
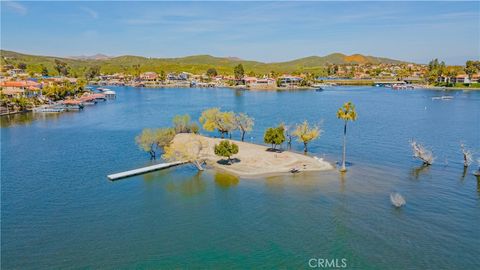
211 72
451 73
403 73
92 72
244 123
136 70
162 76
305 134
62 68
183 124
274 136
471 67
190 150
238 71
214 119
346 113
151 140
44 70
164 136
226 149
22 66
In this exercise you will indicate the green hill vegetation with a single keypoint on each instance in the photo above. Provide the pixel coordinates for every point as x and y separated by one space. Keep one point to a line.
197 64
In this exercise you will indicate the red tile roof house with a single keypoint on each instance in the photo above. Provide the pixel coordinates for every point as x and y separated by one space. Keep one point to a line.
21 88
249 80
149 76
463 78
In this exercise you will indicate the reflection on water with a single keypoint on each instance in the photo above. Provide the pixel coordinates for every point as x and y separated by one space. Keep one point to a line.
225 180
188 186
16 119
419 171
478 185
342 181
464 173
28 117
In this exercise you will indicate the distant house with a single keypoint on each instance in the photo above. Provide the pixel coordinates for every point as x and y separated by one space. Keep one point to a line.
16 72
184 76
413 79
172 77
149 76
249 80
265 83
290 81
21 88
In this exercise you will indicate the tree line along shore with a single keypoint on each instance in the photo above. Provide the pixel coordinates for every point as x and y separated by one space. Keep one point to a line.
207 71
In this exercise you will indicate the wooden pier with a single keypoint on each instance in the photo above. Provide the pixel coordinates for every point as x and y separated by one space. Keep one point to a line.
143 170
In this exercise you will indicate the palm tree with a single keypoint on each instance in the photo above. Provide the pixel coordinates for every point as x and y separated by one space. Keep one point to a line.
346 113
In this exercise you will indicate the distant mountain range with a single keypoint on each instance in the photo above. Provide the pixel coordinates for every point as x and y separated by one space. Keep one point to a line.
97 56
193 64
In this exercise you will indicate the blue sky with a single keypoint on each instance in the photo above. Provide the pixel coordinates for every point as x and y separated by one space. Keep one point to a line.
264 31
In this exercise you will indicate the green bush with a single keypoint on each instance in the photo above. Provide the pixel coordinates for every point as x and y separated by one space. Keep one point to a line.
274 136
226 149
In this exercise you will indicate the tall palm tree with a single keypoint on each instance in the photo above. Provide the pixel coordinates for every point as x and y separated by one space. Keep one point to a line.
346 113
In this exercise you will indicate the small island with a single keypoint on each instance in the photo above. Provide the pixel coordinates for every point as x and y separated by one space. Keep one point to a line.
252 160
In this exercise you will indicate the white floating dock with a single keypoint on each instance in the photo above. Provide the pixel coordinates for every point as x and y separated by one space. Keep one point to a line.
152 168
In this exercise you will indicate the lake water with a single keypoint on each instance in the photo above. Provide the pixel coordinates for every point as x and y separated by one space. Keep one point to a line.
58 210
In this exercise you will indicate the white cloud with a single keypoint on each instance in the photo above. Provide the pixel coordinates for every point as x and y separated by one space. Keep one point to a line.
92 13
15 7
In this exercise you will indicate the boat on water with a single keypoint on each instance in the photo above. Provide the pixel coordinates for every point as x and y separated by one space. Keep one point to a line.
73 107
319 89
102 89
443 98
49 109
402 87
110 94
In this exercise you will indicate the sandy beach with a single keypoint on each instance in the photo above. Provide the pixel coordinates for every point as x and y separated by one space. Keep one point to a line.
254 160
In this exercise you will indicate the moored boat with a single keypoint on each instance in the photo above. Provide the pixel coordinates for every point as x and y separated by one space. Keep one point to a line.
110 94
49 109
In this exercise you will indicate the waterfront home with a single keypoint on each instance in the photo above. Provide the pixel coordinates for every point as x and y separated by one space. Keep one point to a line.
184 76
248 81
290 81
463 78
21 88
149 76
179 77
265 84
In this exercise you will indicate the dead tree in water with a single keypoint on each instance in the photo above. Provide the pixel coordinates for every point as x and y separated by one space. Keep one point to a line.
467 155
422 153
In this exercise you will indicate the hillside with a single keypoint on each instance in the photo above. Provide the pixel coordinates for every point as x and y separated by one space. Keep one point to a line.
194 64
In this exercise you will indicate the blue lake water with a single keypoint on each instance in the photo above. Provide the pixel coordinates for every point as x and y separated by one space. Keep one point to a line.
58 210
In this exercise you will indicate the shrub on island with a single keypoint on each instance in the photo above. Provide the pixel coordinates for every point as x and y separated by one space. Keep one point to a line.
226 149
274 136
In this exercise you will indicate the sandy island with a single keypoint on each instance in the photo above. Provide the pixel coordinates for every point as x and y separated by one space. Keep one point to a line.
254 160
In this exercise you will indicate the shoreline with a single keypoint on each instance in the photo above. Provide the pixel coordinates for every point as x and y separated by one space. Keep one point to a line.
417 87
